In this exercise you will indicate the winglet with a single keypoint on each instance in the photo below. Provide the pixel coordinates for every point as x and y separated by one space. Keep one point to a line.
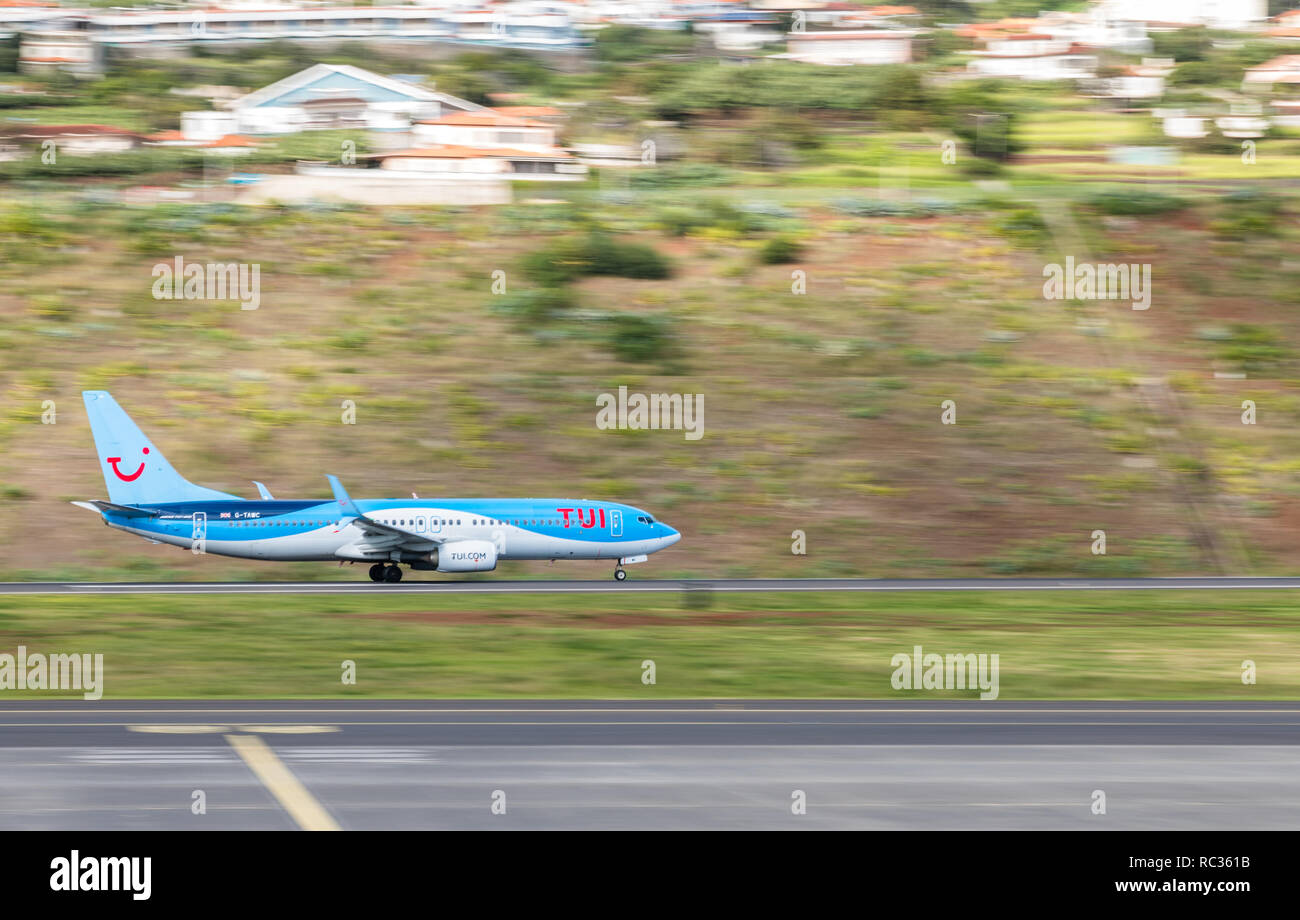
341 496
264 492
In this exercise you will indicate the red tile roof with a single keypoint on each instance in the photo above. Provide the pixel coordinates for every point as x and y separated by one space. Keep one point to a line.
487 119
528 111
231 140
457 152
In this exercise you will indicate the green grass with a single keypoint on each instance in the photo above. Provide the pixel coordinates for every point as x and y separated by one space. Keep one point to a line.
1082 129
117 116
1052 645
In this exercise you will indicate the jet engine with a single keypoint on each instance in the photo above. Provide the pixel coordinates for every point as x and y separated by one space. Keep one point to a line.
467 556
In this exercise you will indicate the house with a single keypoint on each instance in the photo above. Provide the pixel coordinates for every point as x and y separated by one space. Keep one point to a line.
485 128
452 160
1285 112
1144 81
1284 69
66 50
75 140
738 30
1032 56
511 25
1215 14
326 96
1242 126
842 47
1177 123
208 126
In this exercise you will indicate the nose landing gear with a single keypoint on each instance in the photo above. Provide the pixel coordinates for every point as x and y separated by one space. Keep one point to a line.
620 574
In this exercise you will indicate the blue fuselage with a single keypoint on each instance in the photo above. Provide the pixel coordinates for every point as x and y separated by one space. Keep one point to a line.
532 528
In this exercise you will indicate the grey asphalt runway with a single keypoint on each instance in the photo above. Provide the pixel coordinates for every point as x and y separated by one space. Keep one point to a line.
1197 583
673 764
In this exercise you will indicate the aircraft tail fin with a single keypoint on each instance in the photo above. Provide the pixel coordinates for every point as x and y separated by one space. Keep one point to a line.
134 469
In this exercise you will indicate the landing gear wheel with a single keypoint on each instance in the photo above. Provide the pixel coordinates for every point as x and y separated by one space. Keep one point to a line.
393 574
377 572
620 574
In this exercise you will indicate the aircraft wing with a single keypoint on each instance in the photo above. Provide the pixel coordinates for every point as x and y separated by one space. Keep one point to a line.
379 537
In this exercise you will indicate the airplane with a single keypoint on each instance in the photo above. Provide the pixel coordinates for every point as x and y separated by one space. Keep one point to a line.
148 498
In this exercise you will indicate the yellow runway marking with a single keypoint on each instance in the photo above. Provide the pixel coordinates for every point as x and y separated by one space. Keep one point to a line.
180 729
287 789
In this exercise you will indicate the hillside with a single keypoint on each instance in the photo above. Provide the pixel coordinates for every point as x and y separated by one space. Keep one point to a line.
822 409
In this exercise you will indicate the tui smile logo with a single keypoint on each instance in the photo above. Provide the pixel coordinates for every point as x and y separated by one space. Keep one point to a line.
114 461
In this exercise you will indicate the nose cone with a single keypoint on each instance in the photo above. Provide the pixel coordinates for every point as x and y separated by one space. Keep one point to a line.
671 537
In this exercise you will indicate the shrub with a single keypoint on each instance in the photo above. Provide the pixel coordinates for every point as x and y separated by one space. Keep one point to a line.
980 168
535 307
1136 201
595 254
639 338
780 250
1246 213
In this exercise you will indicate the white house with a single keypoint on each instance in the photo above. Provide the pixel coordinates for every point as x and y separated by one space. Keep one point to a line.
739 32
1285 112
453 161
486 128
841 47
1216 14
76 140
1144 81
208 126
1284 69
1033 56
336 95
66 50
1177 123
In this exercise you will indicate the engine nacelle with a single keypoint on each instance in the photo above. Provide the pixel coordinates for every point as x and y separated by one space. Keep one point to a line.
467 556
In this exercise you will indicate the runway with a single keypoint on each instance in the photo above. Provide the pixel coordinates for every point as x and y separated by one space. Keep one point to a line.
647 765
1197 583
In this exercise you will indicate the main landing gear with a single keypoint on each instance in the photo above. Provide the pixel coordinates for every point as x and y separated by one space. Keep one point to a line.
381 572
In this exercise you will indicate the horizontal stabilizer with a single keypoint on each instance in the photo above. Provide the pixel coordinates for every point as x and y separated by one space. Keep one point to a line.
127 510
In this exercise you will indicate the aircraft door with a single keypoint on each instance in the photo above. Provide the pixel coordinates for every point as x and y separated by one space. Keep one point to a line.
199 533
615 523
